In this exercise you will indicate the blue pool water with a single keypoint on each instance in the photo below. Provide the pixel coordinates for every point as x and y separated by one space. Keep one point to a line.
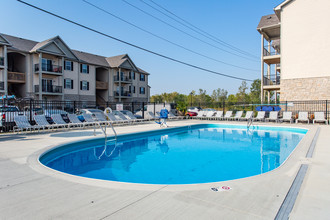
196 154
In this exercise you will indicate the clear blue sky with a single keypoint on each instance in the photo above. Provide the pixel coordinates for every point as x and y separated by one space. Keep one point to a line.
234 22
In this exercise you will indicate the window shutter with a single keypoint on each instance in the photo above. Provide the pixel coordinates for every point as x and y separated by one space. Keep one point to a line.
71 83
80 85
87 68
81 67
87 85
64 84
71 66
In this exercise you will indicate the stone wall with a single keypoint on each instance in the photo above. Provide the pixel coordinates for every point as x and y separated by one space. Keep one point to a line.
317 88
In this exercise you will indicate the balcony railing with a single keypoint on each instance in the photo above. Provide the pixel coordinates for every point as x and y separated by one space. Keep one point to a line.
272 80
123 79
101 85
2 61
49 89
48 68
274 50
123 94
2 85
16 77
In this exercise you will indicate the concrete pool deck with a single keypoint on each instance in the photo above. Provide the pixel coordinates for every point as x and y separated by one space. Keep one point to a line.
29 190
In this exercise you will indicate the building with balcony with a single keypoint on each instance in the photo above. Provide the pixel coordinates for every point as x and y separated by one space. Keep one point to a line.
50 70
295 45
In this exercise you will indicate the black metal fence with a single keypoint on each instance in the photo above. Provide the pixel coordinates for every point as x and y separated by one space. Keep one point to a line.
10 108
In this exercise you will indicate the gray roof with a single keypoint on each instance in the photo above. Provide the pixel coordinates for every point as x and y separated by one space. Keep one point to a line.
20 44
142 71
268 20
91 58
29 46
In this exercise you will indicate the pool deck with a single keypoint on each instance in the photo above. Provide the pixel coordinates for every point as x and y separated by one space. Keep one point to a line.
28 190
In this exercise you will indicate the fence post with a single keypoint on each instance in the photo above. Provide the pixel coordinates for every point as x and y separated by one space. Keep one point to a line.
143 110
286 105
30 110
154 107
132 107
326 109
223 105
74 107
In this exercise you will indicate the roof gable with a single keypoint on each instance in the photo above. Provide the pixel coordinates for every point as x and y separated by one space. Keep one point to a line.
49 47
122 61
278 8
4 41
55 46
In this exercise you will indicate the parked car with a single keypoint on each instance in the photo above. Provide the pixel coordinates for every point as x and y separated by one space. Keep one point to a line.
7 114
193 111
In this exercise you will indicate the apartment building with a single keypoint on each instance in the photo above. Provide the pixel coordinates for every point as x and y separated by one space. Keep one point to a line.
50 70
295 48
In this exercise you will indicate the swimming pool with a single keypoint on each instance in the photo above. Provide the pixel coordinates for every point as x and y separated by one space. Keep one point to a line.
185 155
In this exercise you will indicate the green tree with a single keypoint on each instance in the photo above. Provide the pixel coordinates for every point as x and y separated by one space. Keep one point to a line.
242 95
255 91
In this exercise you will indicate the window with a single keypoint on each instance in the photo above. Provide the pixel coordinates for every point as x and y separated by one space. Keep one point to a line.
68 84
142 90
68 65
133 89
47 65
84 68
131 75
84 85
142 77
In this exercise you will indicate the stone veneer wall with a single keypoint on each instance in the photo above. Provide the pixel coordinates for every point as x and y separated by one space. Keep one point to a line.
317 88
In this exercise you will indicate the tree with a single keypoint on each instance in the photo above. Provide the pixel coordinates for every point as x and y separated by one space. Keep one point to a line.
255 91
242 96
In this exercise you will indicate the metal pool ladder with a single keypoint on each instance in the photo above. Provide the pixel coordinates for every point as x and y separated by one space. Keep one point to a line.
249 122
104 131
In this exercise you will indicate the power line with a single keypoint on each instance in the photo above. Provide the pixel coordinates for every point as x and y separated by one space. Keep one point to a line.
132 45
164 39
184 32
196 29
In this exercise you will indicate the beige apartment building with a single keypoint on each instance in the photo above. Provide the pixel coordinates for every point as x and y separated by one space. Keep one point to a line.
295 47
50 70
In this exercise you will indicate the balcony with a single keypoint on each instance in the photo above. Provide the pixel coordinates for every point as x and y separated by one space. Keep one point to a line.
272 81
2 85
16 77
122 79
124 94
2 61
272 54
50 90
101 85
49 69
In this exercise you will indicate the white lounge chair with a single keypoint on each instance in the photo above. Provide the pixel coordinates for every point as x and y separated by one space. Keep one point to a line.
303 116
209 114
248 115
228 115
74 120
218 115
319 117
22 124
58 120
287 116
273 116
89 119
238 115
260 116
41 120
201 114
